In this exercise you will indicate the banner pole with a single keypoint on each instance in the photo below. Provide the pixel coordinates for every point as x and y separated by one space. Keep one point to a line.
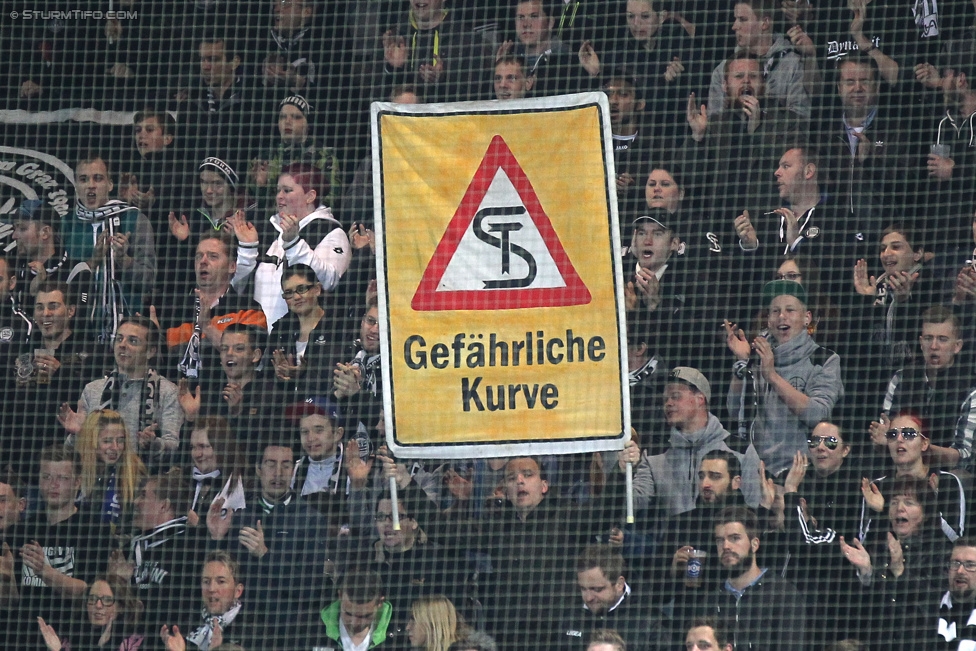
395 507
630 493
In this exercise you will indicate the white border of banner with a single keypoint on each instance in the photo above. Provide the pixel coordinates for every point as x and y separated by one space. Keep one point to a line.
486 450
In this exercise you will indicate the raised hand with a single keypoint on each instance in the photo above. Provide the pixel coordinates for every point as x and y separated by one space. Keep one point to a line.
589 59
752 110
179 228
252 538
736 339
767 358
697 119
856 555
173 641
877 429
243 229
219 519
746 231
901 283
360 237
797 472
70 419
896 556
872 495
863 284
290 225
394 50
345 379
51 639
285 366
674 70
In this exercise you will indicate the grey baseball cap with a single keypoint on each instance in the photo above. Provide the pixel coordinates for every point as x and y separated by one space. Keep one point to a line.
692 377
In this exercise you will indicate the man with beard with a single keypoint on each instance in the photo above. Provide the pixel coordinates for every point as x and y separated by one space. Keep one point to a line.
608 603
781 64
957 609
750 593
691 533
695 432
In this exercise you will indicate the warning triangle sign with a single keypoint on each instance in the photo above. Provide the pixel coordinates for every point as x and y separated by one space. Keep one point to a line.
500 251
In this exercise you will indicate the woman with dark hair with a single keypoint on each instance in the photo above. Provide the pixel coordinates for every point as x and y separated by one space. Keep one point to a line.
303 231
218 466
903 569
111 614
907 440
304 341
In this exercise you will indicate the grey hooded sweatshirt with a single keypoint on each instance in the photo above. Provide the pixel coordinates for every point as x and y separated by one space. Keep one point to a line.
675 472
778 433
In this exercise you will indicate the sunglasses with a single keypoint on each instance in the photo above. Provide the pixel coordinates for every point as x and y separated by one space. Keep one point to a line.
907 433
829 442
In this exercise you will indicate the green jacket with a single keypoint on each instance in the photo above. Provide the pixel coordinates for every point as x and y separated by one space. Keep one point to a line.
330 617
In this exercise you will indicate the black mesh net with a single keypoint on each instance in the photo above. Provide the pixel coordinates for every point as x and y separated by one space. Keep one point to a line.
192 436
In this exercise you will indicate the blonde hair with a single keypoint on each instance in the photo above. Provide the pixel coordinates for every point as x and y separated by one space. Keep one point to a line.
437 616
129 471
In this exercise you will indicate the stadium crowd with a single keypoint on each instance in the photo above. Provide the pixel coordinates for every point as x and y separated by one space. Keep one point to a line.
192 443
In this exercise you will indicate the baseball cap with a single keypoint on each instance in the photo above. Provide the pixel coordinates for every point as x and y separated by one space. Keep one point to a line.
693 377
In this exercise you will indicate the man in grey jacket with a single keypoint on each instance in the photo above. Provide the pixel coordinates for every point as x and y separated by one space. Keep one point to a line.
794 384
694 433
782 66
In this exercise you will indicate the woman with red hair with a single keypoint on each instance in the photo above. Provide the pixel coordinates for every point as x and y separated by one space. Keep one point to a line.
303 231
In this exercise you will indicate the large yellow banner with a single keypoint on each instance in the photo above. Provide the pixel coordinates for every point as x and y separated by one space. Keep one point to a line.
499 277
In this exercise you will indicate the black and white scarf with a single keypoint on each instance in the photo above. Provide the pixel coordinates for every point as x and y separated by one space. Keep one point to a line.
200 479
148 405
109 307
189 366
204 635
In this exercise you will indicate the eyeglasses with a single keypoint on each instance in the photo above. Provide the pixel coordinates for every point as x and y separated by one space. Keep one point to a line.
969 566
106 600
907 433
790 275
830 442
301 290
381 518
